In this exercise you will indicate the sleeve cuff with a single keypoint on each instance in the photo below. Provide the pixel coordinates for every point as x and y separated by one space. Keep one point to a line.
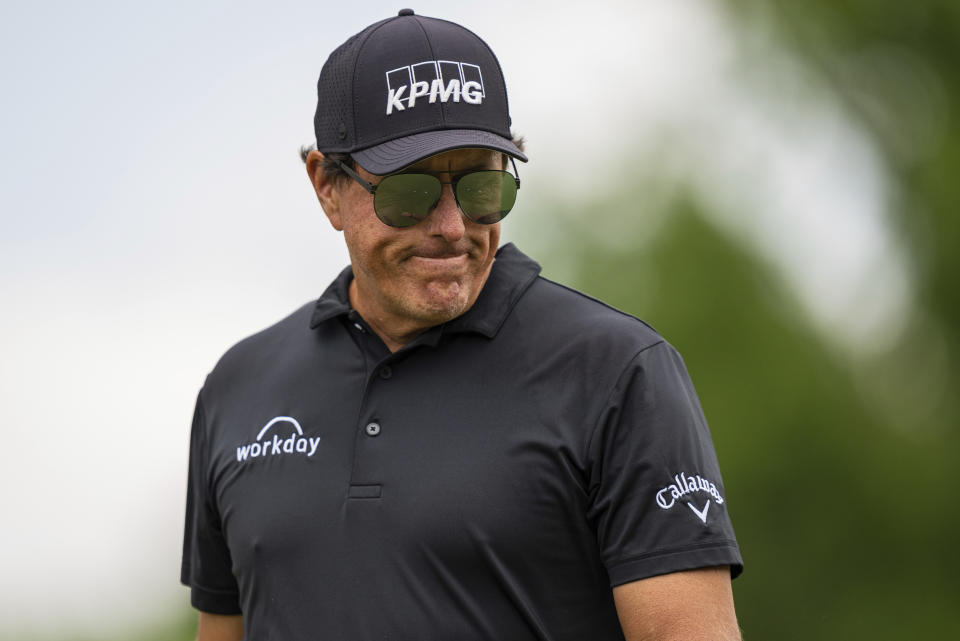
215 602
677 561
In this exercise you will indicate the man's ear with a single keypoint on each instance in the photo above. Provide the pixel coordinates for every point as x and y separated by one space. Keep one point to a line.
327 191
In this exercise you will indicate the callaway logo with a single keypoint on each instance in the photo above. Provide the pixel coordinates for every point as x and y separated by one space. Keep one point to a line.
684 485
277 446
442 80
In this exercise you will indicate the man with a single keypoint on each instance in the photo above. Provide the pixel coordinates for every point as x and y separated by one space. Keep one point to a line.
446 446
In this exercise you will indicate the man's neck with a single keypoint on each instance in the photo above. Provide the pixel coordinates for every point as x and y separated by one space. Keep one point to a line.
394 334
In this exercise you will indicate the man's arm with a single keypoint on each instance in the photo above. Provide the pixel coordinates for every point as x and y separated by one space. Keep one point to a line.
217 627
696 605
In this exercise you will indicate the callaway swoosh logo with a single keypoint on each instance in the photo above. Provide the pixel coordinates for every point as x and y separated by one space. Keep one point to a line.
701 514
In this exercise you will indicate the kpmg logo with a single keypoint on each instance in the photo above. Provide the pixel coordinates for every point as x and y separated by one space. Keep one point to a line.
434 80
295 443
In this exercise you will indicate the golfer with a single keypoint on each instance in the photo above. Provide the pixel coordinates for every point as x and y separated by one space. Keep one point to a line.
446 446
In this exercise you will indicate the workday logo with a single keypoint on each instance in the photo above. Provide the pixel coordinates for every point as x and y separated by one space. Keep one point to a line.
442 80
683 487
296 443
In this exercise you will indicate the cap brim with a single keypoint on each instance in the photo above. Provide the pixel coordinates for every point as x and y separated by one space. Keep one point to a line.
396 154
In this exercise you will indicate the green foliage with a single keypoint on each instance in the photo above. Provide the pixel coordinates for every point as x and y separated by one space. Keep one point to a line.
893 66
180 626
879 529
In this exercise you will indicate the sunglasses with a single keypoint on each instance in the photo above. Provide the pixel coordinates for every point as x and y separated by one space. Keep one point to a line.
484 196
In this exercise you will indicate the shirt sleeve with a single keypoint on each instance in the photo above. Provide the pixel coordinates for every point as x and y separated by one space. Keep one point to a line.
206 563
656 497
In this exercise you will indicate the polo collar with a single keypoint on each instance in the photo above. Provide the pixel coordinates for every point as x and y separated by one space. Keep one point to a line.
335 300
512 273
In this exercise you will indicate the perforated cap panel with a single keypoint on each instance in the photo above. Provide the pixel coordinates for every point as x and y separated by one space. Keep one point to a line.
333 122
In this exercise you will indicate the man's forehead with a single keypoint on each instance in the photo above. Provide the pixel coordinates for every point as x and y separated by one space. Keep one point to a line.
458 159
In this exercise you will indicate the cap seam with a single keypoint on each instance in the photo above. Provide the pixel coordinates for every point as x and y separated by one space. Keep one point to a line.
433 56
503 80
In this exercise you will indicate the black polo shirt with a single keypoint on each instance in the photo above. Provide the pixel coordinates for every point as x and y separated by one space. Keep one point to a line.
491 480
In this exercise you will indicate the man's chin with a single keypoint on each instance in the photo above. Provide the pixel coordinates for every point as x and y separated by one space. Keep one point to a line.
439 304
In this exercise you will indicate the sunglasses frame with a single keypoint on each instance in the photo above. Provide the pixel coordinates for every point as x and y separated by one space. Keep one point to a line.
372 189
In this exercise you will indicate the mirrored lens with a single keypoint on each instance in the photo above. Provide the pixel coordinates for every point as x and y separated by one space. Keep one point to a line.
486 196
406 199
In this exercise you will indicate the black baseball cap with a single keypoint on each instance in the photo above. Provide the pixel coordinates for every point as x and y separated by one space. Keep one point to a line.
409 87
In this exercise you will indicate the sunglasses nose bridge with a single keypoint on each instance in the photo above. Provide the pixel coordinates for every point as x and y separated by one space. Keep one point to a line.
448 190
446 216
451 189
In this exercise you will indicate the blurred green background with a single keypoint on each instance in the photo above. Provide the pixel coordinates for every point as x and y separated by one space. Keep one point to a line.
839 456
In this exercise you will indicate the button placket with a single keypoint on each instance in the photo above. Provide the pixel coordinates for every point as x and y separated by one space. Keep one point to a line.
354 319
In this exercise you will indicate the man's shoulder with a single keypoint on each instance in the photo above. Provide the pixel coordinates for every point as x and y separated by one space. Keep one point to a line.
268 346
561 313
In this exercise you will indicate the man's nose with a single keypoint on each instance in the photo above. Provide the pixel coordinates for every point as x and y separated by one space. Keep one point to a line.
445 219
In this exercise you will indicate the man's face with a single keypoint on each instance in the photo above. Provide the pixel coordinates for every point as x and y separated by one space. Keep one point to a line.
409 279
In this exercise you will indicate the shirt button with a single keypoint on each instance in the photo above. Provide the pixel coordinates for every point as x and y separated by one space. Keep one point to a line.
386 372
354 318
372 429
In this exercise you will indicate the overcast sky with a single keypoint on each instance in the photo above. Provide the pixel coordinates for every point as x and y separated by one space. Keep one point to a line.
154 212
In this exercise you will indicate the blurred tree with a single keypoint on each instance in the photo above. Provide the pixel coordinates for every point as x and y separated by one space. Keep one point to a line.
893 67
181 626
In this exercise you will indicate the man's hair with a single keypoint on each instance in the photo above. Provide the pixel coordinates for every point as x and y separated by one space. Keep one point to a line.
330 166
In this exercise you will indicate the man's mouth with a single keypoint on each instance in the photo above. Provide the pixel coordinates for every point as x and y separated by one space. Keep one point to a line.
439 254
447 259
